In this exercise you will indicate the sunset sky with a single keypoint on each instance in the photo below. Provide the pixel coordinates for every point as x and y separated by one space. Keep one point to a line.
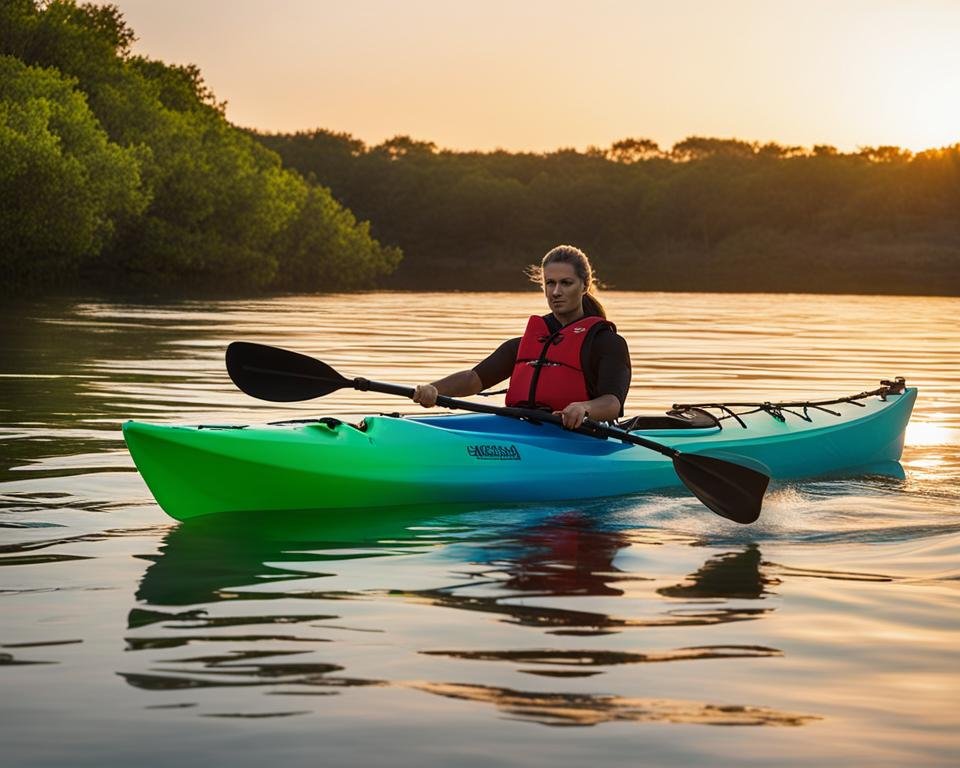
539 75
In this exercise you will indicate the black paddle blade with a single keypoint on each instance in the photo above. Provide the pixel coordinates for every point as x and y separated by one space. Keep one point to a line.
279 375
731 490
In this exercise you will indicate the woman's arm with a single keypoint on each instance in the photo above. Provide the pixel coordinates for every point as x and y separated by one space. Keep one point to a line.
496 367
460 384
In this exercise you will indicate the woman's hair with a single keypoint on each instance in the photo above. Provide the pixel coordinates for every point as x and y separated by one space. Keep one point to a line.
569 254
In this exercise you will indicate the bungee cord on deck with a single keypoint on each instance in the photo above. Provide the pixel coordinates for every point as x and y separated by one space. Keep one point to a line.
779 410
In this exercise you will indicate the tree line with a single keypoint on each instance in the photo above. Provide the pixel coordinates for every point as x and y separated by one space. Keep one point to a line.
117 171
706 214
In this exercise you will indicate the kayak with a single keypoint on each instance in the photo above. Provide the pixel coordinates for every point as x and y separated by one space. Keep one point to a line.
384 461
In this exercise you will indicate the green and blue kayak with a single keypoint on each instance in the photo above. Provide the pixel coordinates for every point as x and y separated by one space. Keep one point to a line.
384 461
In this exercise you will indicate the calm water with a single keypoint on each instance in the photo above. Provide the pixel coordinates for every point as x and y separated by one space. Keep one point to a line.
643 630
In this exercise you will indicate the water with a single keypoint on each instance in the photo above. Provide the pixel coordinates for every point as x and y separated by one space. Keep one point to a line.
642 630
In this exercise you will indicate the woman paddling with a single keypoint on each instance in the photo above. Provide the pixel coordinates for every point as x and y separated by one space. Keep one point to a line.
571 361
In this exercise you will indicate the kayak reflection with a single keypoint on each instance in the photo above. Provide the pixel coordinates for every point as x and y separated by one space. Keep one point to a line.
204 560
572 556
212 584
209 562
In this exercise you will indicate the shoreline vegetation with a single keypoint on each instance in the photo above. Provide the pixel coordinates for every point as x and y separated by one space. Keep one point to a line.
708 214
121 174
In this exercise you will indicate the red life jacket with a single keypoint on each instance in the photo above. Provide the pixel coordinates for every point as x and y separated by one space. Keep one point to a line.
549 372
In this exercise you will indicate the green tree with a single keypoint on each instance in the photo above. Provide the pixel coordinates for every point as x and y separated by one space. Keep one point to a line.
212 202
324 248
63 186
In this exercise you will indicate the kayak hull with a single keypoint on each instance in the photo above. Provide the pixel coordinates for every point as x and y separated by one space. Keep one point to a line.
387 461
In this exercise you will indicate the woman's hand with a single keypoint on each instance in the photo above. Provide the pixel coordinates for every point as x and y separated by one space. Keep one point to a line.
426 395
603 408
573 415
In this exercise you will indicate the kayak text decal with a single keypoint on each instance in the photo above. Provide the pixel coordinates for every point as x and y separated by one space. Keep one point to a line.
496 452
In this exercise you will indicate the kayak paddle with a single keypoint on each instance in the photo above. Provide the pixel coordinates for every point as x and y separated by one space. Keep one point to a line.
270 373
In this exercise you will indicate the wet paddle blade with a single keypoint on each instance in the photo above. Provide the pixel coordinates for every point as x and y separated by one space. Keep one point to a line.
731 490
279 375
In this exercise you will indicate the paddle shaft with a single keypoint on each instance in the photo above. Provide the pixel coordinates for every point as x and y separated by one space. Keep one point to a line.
592 428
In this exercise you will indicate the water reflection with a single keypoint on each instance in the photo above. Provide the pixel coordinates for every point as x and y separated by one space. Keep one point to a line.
8 659
571 557
586 663
565 709
730 575
229 576
567 556
207 560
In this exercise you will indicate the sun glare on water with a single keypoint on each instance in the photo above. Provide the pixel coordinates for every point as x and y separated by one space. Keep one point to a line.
930 433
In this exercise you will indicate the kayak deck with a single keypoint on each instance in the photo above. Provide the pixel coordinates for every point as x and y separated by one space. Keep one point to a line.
385 461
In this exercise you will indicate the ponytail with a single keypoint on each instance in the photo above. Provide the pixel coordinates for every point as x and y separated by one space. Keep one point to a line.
592 306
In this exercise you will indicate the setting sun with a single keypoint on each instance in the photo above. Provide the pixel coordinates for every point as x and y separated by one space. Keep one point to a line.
917 92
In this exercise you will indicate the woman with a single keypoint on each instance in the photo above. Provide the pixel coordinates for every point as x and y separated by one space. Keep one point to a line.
571 361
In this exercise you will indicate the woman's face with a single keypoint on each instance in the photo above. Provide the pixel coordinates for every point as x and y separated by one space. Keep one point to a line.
563 288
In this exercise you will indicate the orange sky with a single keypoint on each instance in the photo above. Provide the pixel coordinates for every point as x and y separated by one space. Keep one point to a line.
538 75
